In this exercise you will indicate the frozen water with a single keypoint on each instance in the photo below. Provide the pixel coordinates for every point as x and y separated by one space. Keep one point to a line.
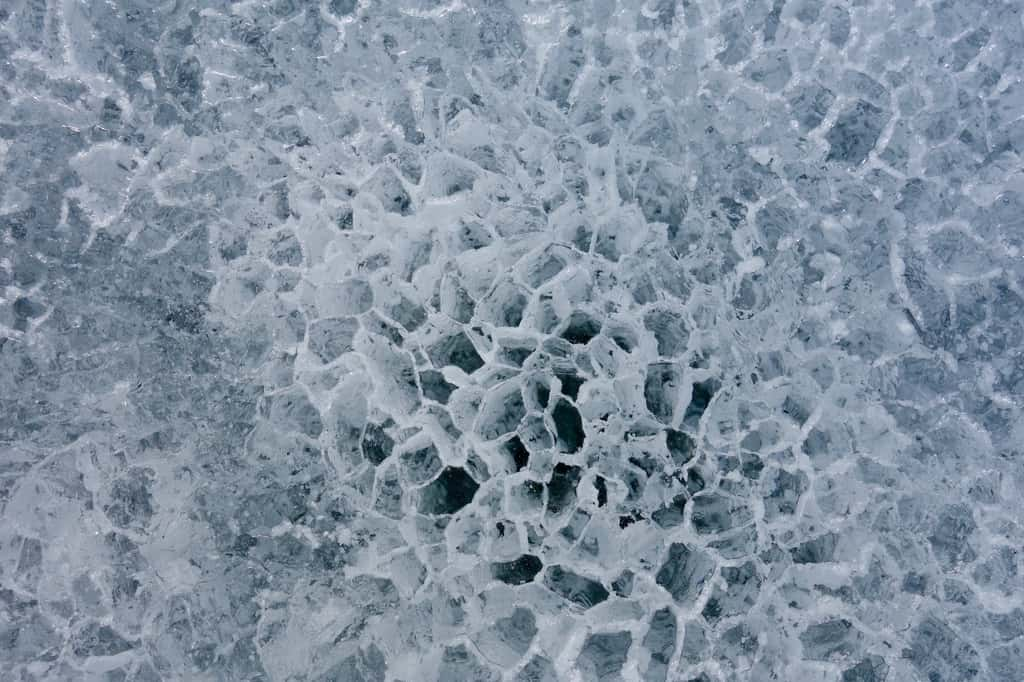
499 340
578 589
603 655
684 572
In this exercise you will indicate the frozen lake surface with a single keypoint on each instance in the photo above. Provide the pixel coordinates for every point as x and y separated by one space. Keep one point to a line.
403 341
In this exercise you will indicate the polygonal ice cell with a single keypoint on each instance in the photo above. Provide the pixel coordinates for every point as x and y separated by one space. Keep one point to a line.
472 235
341 8
785 494
447 175
657 14
808 11
501 412
504 305
376 444
869 669
420 464
954 251
717 513
539 669
331 337
285 250
401 113
1009 625
562 487
28 635
684 573
131 502
26 309
832 640
546 316
515 351
738 642
623 585
733 211
660 195
368 665
452 490
611 242
526 497
389 494
435 386
581 327
88 596
855 133
570 384
518 452
776 220
659 132
623 337
736 37
859 84
518 571
695 642
94 639
751 466
293 411
568 426
560 351
914 583
459 663
186 83
105 172
385 185
1007 662
742 585
455 301
407 571
276 200
344 218
669 330
949 539
1008 106
821 549
661 390
395 376
509 638
601 487
476 467
938 653
998 571
30 564
810 103
545 264
563 65
352 296
603 655
577 523
771 70
700 398
538 392
456 350
737 544
660 641
837 19
672 514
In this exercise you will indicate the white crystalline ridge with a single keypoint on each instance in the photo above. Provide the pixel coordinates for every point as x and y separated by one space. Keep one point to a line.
490 340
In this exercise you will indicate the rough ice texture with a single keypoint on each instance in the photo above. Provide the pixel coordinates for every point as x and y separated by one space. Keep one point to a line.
647 340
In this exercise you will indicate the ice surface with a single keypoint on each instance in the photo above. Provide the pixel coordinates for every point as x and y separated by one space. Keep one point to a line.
500 340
